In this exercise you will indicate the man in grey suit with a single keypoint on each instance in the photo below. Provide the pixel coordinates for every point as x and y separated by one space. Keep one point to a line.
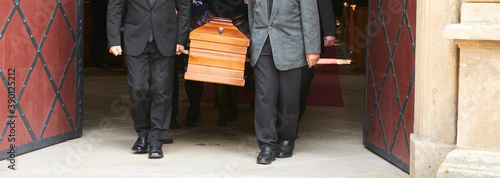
154 31
285 37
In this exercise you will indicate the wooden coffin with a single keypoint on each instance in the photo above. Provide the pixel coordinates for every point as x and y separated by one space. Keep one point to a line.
217 57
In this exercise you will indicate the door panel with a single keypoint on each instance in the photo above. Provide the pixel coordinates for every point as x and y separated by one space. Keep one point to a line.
390 74
39 40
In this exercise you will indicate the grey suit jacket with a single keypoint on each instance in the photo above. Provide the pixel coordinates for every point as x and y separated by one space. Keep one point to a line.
293 30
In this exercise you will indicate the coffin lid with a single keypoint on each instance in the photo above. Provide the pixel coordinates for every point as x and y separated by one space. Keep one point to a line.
210 32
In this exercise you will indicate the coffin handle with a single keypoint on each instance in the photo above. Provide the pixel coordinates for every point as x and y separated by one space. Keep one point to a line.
185 51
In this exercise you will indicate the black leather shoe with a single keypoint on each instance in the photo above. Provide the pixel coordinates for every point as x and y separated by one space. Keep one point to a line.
286 149
175 125
190 123
155 152
233 114
192 117
140 145
222 121
168 140
266 156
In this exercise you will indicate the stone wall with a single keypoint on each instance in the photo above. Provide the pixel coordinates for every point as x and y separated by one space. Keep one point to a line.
458 91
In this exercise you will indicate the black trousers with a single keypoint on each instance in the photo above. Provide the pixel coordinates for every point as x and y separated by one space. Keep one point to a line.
276 102
305 85
150 76
194 92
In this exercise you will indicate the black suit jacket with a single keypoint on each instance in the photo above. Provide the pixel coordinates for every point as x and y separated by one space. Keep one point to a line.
327 18
143 18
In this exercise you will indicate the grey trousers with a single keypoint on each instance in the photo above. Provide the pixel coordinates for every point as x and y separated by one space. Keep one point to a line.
277 96
150 77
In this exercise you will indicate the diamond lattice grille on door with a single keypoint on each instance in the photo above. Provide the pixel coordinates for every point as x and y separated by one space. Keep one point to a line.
40 41
390 76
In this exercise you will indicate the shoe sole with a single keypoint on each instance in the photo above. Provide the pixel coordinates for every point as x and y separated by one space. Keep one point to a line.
168 142
283 156
140 151
155 157
266 162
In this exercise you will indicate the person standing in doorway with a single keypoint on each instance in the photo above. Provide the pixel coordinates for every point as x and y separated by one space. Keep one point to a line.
153 34
285 37
98 10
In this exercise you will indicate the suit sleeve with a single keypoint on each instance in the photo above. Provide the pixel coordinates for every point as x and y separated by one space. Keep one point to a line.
124 14
114 21
327 17
310 26
183 20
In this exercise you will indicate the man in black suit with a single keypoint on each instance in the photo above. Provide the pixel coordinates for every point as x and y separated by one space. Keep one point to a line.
153 34
328 32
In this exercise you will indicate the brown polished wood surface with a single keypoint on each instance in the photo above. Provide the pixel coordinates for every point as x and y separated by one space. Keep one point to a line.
211 33
220 47
217 57
220 19
214 79
221 24
217 71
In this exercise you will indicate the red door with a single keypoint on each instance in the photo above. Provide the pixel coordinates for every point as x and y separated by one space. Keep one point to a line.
40 72
390 75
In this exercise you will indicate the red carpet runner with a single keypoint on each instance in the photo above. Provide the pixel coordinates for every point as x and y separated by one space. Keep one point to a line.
325 86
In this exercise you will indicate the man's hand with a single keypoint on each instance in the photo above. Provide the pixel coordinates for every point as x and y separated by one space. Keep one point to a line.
115 50
312 59
329 40
179 50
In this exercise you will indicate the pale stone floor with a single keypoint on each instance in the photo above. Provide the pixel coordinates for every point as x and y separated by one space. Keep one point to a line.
330 143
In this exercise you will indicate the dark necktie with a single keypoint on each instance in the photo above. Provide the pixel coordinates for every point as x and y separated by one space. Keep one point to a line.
151 36
269 8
